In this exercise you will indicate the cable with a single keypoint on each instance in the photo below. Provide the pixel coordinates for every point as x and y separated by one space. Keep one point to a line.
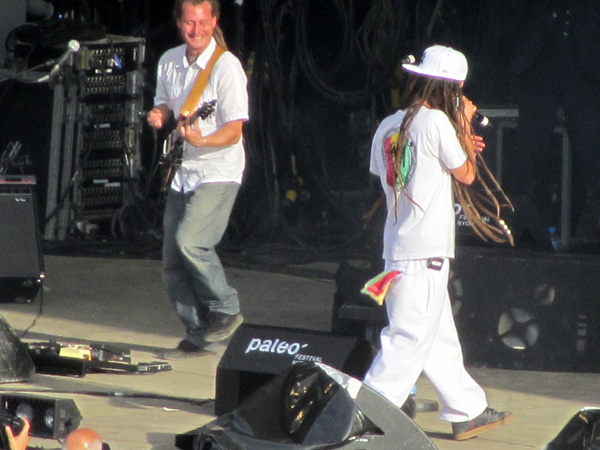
39 313
148 395
384 23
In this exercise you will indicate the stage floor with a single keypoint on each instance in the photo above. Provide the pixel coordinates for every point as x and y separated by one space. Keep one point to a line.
122 300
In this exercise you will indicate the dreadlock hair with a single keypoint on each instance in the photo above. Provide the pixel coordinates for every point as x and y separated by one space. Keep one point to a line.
216 12
477 200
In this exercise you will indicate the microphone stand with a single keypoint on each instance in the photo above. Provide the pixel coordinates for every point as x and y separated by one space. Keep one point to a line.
7 74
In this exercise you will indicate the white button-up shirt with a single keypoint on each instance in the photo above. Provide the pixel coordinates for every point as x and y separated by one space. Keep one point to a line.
227 85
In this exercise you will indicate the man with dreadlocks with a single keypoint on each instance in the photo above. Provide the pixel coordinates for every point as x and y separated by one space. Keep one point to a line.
419 153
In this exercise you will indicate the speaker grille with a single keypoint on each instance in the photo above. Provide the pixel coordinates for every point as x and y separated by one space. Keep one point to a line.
21 261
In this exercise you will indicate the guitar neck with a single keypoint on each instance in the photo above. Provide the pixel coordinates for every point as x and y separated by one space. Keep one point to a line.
175 136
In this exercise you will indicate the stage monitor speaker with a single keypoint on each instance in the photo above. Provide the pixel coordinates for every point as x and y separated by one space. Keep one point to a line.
310 406
580 433
21 261
50 418
258 353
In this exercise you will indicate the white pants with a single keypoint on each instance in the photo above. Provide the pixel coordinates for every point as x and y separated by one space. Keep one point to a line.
422 338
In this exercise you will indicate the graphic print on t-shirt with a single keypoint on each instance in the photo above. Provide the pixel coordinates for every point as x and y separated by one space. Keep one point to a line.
391 146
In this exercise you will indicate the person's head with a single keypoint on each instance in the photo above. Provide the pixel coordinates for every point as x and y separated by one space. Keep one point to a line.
197 23
83 439
178 7
438 80
443 63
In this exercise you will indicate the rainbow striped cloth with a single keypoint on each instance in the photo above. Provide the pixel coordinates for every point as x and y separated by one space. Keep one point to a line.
377 287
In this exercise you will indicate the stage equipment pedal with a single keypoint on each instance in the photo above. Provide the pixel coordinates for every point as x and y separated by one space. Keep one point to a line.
51 357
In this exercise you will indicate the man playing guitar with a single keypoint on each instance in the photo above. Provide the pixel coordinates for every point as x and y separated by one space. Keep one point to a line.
205 185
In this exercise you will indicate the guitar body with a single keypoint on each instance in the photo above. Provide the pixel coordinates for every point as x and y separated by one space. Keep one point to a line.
172 155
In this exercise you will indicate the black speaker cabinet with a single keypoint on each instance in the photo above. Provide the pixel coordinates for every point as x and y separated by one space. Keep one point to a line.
258 353
527 310
50 418
21 261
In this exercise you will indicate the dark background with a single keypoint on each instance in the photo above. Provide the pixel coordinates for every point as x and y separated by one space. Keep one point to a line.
321 76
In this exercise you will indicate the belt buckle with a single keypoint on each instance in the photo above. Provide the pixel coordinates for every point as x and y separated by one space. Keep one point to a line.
435 263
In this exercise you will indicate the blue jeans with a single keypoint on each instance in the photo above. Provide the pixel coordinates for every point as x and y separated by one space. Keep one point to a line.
194 224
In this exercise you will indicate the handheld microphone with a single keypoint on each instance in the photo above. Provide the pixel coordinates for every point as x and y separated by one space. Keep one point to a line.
480 119
72 47
408 59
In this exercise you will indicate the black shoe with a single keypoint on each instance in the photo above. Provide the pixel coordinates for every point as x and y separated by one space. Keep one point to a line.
221 326
186 349
487 420
410 407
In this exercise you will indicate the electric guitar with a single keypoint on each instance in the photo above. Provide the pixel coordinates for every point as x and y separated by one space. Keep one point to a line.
173 145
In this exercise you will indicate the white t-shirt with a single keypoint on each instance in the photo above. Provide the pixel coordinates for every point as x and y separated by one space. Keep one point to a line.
227 85
422 226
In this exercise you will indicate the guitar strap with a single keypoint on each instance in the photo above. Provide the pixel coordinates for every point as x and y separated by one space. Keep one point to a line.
191 102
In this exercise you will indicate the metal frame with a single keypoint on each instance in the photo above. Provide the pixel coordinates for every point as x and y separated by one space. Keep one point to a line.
509 118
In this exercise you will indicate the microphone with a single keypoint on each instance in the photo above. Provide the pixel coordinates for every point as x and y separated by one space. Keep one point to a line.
480 119
72 47
408 59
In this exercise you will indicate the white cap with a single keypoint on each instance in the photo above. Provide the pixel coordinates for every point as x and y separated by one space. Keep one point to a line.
441 62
